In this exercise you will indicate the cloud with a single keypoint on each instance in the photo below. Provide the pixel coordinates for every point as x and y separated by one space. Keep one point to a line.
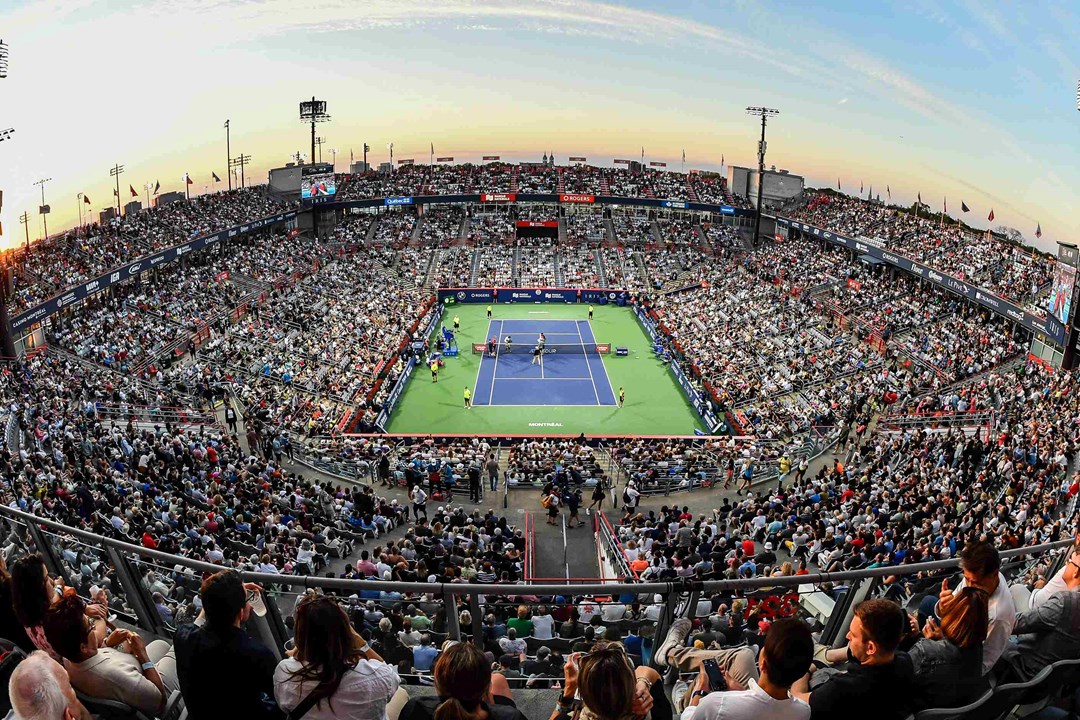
843 101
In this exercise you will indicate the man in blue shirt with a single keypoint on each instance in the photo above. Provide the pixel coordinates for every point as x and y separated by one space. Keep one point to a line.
424 654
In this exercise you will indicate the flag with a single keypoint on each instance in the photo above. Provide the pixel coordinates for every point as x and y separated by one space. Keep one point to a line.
115 192
963 207
945 205
133 193
870 195
216 178
86 199
1038 230
432 148
189 180
837 183
157 186
920 197
888 193
861 188
684 155
990 217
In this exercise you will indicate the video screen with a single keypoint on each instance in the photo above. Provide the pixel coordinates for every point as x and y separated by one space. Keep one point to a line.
1059 304
320 185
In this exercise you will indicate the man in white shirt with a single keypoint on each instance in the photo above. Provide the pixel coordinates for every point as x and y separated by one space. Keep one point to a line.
787 652
982 569
543 624
1061 582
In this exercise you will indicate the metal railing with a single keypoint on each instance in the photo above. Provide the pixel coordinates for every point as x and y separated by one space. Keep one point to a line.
135 572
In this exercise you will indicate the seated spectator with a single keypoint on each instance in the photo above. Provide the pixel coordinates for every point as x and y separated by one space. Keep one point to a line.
34 591
333 672
738 663
543 624
39 689
465 688
1046 633
876 675
221 654
787 652
981 564
512 644
142 676
424 654
610 687
948 658
521 624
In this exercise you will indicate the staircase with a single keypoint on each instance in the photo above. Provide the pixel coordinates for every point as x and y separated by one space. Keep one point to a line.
654 232
642 270
609 232
691 193
463 231
556 260
605 186
475 267
601 270
515 269
562 232
372 228
560 186
514 179
414 239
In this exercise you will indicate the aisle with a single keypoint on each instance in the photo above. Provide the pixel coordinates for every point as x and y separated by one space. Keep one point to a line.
562 552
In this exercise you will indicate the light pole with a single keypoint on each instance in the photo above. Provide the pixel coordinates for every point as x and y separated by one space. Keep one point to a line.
24 219
149 187
319 142
764 113
240 162
44 209
313 111
333 154
79 202
228 152
116 171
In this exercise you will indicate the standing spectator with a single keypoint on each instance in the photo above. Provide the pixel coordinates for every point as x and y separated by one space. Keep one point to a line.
474 482
492 467
419 501
333 672
222 649
230 417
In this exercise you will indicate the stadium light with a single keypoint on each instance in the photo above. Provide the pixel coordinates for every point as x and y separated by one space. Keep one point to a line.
313 111
239 162
320 141
3 59
764 113
116 171
5 134
44 209
228 151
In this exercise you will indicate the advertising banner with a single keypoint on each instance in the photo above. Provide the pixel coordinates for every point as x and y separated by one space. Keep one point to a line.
446 159
398 201
490 158
405 162
658 164
1059 303
537 223
621 162
576 198
139 266
679 204
577 159
498 197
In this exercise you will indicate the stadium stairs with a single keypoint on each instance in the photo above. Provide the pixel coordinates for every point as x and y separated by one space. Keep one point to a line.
373 228
601 270
475 267
463 231
515 272
609 232
562 232
654 233
556 260
414 239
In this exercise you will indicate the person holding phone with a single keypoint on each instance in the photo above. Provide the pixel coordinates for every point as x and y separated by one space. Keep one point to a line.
603 684
787 652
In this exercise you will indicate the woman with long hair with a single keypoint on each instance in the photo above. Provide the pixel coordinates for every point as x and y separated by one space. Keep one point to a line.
948 657
332 670
610 687
466 689
33 592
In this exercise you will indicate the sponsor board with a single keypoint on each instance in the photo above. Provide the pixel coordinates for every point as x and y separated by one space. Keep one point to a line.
490 158
675 204
545 424
577 198
444 159
398 201
576 159
498 197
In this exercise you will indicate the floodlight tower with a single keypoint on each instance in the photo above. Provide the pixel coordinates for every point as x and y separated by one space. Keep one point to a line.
764 113
44 209
313 111
116 171
3 59
240 162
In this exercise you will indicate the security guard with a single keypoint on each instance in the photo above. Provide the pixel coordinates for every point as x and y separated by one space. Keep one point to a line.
468 398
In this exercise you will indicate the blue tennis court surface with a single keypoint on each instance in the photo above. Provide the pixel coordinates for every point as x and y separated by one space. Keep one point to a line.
569 376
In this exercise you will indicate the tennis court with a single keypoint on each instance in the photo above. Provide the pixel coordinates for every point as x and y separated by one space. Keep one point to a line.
570 371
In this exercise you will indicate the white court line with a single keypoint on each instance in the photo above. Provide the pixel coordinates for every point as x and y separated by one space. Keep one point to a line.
587 363
535 379
614 394
495 369
539 312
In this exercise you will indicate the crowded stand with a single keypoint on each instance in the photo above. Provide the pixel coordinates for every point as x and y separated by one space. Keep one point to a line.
1014 272
64 260
789 342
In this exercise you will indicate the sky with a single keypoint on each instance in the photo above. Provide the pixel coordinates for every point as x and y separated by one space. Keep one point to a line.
957 101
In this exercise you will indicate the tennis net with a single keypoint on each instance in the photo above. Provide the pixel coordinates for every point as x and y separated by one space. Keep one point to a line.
549 349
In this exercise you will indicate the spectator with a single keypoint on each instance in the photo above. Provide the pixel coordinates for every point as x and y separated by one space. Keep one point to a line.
1046 633
610 687
785 656
876 675
521 624
543 624
947 660
512 644
332 672
466 689
33 592
424 654
142 676
221 652
39 689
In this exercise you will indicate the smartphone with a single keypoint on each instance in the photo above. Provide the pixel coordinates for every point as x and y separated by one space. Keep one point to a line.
717 683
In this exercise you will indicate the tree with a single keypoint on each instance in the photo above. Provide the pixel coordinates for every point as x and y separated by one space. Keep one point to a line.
1011 234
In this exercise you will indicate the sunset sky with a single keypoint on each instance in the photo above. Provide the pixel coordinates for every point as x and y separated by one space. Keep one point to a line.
968 100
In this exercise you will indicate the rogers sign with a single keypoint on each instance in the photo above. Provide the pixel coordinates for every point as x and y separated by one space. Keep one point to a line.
573 198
